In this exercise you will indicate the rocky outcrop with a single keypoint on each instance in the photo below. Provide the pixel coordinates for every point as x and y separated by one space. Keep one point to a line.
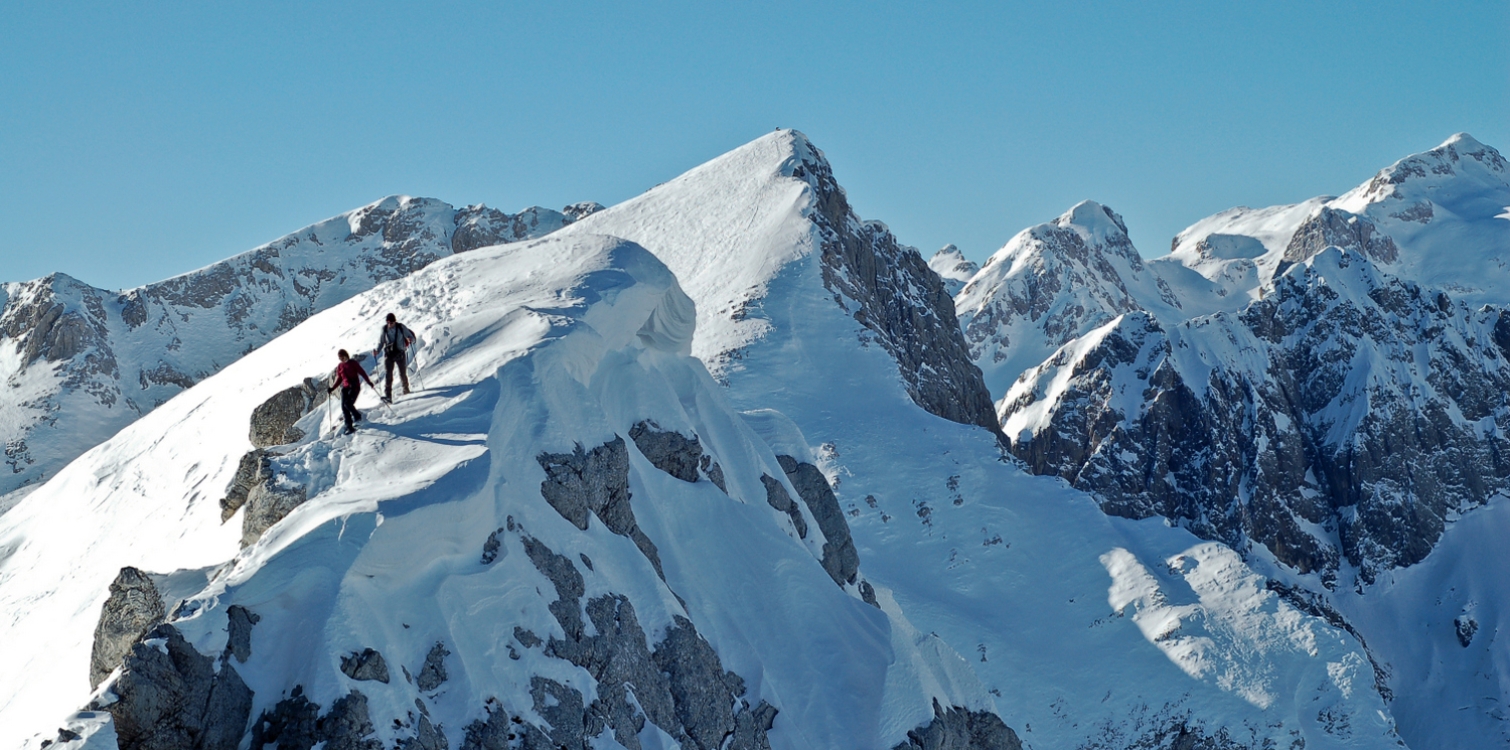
1332 227
133 608
365 665
953 268
676 454
254 468
595 482
1342 417
900 299
1464 627
958 728
679 685
296 722
777 497
273 420
170 697
239 632
433 672
267 504
840 560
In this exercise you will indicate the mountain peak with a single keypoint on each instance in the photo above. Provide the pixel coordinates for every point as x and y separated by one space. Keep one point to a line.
1095 218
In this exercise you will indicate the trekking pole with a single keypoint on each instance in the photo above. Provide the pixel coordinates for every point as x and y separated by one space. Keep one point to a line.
414 373
329 414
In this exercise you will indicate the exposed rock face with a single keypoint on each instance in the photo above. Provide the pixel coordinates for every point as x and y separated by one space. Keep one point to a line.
433 672
778 498
962 729
1344 415
296 723
239 642
133 608
670 452
680 685
364 665
840 559
1331 227
273 421
171 697
901 299
1464 626
596 482
267 504
254 469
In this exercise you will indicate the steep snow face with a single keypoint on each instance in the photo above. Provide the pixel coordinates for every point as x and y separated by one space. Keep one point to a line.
1344 418
953 268
81 363
1443 209
734 226
568 538
1087 630
1052 283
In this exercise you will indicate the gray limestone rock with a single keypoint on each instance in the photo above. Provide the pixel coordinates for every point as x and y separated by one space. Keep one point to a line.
571 721
273 420
1333 227
580 210
295 723
957 728
714 472
680 685
426 737
670 452
595 482
267 504
254 469
169 697
497 731
840 558
433 672
365 665
751 726
777 497
901 299
132 609
526 638
239 642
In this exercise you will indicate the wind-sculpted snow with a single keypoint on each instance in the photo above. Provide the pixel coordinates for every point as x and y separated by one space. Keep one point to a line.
440 542
81 363
1341 420
772 211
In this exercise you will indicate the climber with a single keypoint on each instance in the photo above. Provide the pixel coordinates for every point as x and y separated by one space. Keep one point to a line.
347 376
393 344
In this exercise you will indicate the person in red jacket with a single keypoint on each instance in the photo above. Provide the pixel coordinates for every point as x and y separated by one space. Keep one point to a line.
349 376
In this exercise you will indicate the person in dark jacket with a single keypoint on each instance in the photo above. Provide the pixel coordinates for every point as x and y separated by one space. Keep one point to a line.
349 376
394 345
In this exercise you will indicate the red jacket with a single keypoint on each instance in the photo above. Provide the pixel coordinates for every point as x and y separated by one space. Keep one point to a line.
349 374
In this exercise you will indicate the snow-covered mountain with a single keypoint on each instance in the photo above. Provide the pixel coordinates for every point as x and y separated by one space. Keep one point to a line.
1438 218
1332 406
80 363
953 268
579 535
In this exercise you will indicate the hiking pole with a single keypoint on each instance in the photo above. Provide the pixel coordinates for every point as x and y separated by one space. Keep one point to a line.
414 373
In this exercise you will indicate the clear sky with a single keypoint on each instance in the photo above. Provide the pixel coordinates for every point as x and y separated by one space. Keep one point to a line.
142 140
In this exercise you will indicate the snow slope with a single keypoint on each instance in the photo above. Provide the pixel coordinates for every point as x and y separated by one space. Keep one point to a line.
428 527
80 363
1091 631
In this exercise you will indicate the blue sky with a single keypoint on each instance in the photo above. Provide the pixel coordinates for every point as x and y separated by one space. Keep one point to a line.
141 142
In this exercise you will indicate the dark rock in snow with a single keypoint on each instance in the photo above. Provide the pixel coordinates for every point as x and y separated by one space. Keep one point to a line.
958 728
777 497
526 638
239 642
670 452
1465 626
295 723
426 737
839 556
170 697
596 482
714 472
133 608
433 672
365 665
492 546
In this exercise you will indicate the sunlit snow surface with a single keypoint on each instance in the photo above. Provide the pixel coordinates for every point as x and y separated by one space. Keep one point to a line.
998 590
